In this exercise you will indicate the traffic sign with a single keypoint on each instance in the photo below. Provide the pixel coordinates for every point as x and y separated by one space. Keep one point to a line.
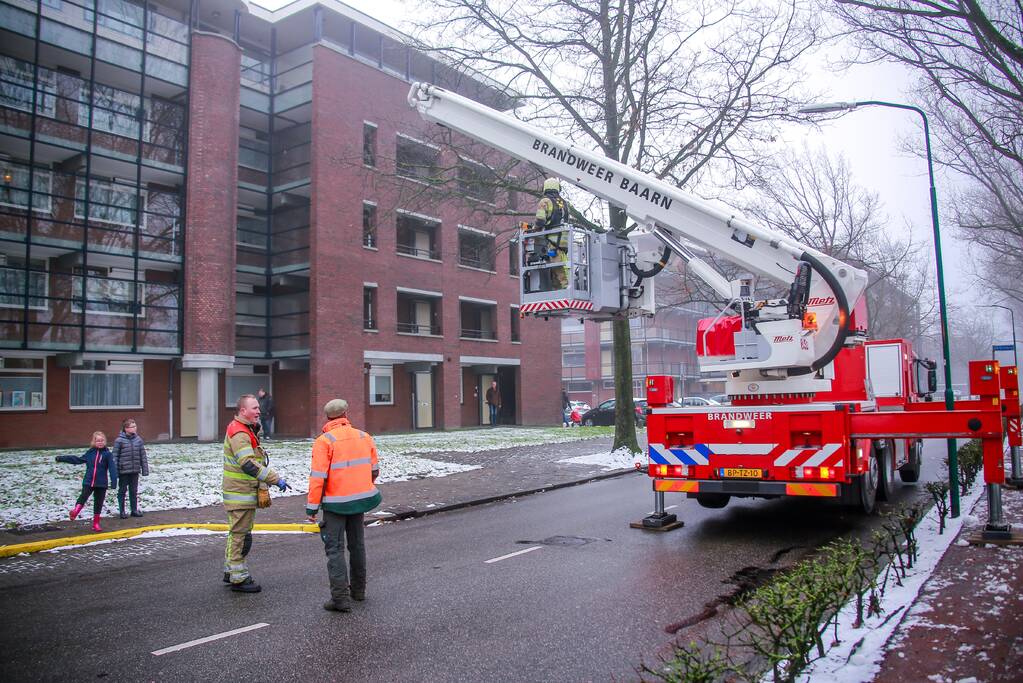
1002 347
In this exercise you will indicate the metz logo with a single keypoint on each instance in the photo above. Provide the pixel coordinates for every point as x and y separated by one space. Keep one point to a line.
821 301
783 338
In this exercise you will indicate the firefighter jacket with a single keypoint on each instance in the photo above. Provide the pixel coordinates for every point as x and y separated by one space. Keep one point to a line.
246 467
343 469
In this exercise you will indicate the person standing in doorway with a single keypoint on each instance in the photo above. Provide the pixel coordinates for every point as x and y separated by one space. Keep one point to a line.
247 475
342 481
493 402
266 413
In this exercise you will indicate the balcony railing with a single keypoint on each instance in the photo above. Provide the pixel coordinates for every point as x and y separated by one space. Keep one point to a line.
418 252
468 333
418 328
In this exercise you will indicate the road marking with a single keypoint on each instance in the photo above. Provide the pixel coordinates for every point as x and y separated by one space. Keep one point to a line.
520 552
671 507
207 639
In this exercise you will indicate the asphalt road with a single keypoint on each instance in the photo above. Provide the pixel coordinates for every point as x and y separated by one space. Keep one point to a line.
590 599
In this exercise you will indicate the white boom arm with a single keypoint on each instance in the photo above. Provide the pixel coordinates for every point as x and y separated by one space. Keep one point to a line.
670 213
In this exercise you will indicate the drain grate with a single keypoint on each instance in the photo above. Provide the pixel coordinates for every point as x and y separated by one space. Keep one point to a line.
562 540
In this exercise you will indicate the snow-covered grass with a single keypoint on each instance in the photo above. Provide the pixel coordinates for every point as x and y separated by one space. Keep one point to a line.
36 489
620 459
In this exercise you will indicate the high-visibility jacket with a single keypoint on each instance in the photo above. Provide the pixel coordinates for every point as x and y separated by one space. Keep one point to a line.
343 469
246 467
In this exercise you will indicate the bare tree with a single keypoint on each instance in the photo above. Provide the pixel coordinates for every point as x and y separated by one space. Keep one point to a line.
969 56
665 87
813 198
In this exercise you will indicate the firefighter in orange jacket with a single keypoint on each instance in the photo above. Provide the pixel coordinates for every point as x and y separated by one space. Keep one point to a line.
341 482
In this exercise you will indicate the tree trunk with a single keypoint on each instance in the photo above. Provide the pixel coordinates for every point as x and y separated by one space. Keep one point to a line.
625 409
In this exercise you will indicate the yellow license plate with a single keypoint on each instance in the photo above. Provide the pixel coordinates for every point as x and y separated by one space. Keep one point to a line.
741 473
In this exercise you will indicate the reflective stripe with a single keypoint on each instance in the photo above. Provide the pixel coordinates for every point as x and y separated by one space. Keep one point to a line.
350 463
239 497
264 472
312 507
238 475
243 452
345 499
330 437
317 475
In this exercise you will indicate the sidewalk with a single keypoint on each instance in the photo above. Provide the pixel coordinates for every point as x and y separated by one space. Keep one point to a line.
502 474
966 624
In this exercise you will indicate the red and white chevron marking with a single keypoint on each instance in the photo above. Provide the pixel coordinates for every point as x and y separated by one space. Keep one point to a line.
827 455
557 305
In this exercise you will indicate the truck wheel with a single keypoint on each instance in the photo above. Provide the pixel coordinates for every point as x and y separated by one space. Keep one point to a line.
713 500
910 472
863 493
886 468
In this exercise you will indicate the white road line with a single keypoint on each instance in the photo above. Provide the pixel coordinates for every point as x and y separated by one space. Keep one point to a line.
671 507
505 557
207 639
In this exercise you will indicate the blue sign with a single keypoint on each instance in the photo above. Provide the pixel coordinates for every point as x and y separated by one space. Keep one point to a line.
1001 347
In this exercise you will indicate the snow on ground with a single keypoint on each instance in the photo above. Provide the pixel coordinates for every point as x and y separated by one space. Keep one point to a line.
187 475
858 654
620 459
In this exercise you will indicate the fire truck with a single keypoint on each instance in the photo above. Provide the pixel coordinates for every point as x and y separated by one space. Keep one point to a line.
817 407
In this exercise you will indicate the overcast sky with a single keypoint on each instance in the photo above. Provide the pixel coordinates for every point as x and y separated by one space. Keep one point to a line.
870 138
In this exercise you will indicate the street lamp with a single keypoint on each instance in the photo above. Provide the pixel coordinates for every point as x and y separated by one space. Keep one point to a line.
953 455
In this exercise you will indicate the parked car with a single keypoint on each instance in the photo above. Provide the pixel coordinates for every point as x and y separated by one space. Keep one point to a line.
723 399
698 402
581 406
604 413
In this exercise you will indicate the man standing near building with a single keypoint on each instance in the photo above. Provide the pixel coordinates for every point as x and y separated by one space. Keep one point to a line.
341 481
266 413
247 474
493 402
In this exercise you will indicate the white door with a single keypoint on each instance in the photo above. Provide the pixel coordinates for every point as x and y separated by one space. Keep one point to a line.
424 400
189 404
422 317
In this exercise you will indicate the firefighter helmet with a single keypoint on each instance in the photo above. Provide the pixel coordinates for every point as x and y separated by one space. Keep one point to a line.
552 184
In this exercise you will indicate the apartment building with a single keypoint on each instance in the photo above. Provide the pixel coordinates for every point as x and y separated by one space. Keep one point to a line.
202 198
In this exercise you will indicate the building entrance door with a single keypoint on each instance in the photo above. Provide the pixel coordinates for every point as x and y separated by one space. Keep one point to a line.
189 425
422 400
485 380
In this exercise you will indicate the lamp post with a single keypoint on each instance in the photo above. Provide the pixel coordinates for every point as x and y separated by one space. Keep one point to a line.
953 455
1016 475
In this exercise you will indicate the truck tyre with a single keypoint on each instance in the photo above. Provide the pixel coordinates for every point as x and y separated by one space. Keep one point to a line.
863 490
910 472
884 452
713 500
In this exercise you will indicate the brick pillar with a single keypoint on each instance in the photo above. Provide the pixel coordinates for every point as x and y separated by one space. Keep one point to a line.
211 215
449 413
335 232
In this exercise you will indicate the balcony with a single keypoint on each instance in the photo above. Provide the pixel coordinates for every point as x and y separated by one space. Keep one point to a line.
418 237
475 249
478 319
419 313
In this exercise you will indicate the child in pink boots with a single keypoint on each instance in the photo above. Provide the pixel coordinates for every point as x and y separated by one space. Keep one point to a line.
99 465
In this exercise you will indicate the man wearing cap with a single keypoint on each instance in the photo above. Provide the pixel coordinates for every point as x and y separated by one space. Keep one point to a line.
341 481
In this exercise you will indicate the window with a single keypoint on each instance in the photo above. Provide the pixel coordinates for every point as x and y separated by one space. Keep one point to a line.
107 384
22 383
245 379
369 225
417 160
114 111
14 187
573 359
475 249
477 181
369 308
513 257
107 202
418 236
369 145
107 293
16 79
12 283
123 17
514 326
381 385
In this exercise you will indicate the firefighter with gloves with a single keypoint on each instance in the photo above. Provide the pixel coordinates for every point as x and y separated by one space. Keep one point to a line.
247 476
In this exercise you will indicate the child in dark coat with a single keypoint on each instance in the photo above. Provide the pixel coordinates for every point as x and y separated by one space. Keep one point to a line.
99 465
130 454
